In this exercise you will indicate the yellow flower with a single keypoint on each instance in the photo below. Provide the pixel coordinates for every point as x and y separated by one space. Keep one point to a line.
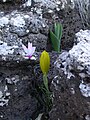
45 62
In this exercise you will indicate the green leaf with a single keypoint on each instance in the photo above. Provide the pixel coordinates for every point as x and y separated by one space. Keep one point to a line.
56 36
58 30
55 42
55 28
45 80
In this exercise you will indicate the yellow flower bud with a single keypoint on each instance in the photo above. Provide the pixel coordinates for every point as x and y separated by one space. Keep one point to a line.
44 62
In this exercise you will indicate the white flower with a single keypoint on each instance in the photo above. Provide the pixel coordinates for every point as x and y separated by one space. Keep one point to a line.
29 51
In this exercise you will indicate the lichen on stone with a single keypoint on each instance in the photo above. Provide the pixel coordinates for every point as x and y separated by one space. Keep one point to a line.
78 57
85 89
4 96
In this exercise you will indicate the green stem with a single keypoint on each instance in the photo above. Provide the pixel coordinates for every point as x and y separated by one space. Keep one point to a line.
48 101
45 80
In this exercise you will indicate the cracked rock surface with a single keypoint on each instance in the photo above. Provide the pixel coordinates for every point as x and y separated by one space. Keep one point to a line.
71 85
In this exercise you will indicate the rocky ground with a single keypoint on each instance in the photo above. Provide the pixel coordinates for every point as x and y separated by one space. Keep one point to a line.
71 84
29 21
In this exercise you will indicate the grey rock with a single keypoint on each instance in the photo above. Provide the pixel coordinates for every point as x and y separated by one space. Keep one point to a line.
8 1
15 90
5 1
39 22
23 24
68 102
71 84
78 57
38 40
17 25
80 53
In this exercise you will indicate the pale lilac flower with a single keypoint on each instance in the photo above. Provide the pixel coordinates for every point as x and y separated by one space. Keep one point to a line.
29 51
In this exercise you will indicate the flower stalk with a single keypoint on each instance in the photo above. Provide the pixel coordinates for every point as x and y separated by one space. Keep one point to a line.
45 81
45 65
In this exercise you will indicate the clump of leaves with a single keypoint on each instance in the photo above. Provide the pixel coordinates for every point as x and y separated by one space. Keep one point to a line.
45 65
40 89
56 37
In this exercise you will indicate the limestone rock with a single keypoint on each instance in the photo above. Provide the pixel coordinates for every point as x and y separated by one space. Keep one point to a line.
71 84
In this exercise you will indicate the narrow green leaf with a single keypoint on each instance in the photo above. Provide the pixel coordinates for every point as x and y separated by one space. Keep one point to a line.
55 42
55 28
58 30
56 36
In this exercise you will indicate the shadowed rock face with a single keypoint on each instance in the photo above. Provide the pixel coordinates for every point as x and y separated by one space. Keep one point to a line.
6 1
68 102
16 102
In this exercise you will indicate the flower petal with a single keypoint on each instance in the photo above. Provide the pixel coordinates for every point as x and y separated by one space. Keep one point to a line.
45 62
25 49
31 51
29 45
